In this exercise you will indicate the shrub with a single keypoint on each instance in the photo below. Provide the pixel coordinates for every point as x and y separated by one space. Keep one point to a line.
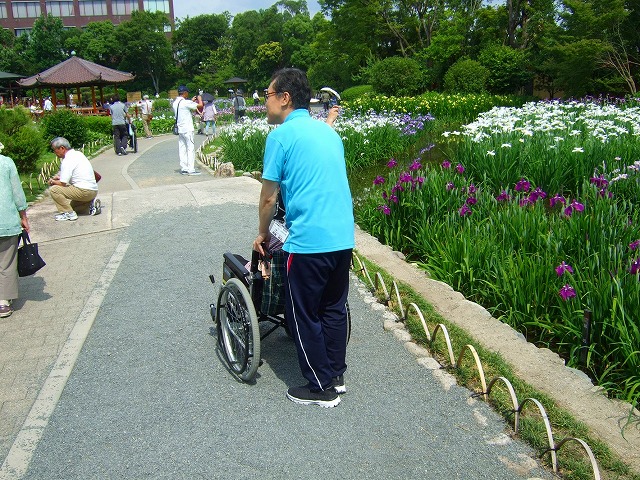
396 76
98 124
507 68
21 139
354 92
24 146
11 119
466 76
63 123
161 103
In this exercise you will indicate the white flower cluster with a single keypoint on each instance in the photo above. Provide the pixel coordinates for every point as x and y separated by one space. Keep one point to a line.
560 119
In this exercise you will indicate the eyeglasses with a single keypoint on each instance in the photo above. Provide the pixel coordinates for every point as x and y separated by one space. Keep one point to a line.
267 95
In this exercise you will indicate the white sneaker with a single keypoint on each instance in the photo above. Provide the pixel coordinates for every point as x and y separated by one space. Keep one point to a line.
195 172
72 216
96 207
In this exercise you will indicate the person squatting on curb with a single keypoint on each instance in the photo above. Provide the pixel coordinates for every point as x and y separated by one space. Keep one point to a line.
74 189
304 158
13 219
182 108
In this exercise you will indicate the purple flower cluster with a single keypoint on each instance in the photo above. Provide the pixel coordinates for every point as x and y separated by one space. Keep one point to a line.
414 125
405 180
567 291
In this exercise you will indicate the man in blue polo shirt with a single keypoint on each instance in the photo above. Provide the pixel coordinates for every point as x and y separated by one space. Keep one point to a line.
304 158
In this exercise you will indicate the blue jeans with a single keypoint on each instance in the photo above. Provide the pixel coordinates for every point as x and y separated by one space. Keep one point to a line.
212 124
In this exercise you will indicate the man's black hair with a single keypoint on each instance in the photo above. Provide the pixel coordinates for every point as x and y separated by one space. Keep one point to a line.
295 82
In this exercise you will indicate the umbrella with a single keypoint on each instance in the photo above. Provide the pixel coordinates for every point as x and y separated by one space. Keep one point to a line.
331 91
207 97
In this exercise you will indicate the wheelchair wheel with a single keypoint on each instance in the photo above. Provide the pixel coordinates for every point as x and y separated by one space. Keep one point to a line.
134 142
238 332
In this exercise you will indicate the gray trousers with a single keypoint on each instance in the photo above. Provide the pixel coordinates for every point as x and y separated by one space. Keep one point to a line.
9 267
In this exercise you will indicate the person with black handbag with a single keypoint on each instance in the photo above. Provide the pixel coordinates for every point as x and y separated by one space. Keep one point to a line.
13 219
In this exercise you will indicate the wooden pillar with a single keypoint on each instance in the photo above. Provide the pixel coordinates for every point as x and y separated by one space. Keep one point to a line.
79 101
93 99
101 96
54 98
66 98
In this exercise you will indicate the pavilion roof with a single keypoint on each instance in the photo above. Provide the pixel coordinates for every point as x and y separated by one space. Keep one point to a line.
77 72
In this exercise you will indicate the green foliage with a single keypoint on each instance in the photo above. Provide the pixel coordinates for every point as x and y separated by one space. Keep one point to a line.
161 104
45 40
24 146
21 139
196 38
63 123
507 68
396 76
466 76
98 124
146 51
352 93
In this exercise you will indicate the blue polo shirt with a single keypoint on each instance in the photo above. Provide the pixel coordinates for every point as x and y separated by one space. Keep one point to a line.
306 157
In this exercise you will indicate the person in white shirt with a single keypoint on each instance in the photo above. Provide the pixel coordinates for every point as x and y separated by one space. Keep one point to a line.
48 105
74 189
182 109
145 111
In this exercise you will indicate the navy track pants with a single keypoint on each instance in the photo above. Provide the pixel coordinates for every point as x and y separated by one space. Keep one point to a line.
316 291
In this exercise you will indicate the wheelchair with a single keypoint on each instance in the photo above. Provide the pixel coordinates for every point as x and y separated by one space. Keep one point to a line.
245 301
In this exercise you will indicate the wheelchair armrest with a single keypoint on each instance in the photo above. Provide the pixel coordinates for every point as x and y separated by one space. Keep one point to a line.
234 267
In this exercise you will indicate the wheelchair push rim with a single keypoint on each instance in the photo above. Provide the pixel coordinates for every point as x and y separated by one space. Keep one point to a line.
238 330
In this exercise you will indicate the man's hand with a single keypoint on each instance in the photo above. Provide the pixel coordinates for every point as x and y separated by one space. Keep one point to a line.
261 240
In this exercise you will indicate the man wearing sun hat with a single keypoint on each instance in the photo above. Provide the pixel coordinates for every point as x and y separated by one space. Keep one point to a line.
182 108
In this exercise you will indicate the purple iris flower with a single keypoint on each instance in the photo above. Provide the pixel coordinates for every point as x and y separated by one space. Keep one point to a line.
523 185
537 194
471 201
558 199
416 165
459 168
450 186
405 177
384 195
465 210
635 266
393 198
472 188
503 197
599 181
525 202
634 245
392 163
379 180
427 148
575 205
567 292
446 164
563 267
418 180
384 209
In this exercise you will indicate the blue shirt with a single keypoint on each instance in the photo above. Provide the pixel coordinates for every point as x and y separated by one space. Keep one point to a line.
306 157
12 199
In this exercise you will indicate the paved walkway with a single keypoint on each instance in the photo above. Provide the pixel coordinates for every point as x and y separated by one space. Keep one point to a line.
108 369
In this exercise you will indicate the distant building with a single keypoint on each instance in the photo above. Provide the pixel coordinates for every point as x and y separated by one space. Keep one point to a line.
19 15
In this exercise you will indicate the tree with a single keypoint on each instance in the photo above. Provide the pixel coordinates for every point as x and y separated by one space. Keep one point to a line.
45 43
96 43
195 38
144 47
466 76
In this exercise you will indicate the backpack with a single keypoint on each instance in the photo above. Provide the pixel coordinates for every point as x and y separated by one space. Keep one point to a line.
242 106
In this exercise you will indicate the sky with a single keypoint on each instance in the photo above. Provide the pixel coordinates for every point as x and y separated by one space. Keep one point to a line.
182 8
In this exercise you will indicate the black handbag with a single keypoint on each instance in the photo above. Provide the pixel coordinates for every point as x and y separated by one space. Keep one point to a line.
29 260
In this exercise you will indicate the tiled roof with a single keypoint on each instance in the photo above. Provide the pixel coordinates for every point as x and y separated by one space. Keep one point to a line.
77 72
